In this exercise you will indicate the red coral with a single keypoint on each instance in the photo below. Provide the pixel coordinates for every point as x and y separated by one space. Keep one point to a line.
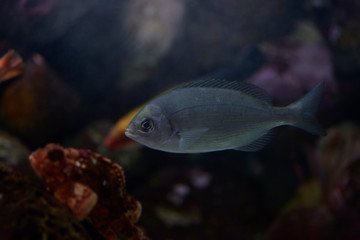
91 186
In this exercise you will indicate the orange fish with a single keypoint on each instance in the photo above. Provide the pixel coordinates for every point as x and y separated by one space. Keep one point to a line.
11 65
116 138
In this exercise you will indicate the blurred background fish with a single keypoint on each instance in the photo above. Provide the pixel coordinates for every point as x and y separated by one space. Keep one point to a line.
116 138
11 65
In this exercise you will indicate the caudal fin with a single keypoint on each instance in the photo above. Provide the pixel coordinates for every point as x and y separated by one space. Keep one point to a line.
307 107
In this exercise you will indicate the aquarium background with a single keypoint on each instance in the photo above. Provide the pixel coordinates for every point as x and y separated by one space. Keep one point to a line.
87 63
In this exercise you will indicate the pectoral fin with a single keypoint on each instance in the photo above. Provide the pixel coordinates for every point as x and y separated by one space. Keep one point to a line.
258 144
190 137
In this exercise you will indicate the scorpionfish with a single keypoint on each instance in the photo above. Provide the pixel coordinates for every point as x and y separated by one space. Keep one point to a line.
92 187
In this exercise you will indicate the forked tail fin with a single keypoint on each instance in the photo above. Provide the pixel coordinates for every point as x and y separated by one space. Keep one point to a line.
307 107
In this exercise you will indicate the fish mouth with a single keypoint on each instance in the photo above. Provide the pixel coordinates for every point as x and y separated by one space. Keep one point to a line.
131 134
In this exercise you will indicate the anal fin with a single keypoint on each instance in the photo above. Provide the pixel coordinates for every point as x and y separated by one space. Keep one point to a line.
258 144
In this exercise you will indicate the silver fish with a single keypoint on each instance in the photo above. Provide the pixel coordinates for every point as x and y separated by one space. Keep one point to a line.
214 115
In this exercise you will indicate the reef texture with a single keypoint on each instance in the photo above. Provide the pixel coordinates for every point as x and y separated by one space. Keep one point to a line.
38 102
92 187
326 207
28 212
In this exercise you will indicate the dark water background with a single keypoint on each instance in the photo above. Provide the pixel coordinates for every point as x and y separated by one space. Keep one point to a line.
89 62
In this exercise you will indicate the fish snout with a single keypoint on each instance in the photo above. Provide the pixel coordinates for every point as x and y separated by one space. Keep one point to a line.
130 133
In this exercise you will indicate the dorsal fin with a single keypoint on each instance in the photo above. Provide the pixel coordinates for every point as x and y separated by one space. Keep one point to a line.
246 88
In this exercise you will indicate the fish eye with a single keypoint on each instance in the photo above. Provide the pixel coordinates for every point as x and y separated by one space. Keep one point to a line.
147 125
